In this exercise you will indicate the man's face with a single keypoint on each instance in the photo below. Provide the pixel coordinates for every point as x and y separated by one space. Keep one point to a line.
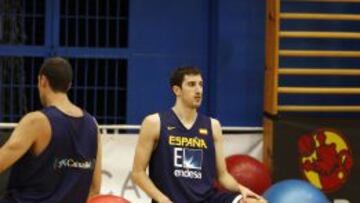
191 91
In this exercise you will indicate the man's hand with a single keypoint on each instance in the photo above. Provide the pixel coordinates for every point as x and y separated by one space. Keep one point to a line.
250 196
253 200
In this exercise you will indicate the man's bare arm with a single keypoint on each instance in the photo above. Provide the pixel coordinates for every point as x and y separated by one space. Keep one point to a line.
30 127
224 177
96 181
149 134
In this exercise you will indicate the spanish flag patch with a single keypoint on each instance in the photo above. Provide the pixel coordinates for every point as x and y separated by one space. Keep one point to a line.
203 131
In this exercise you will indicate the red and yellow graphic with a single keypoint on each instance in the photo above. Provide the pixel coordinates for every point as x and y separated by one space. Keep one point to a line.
325 159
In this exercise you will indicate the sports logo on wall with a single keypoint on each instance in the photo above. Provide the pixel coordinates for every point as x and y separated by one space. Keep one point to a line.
325 159
321 150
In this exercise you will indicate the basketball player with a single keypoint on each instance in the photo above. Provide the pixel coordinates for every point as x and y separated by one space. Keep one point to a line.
184 151
55 153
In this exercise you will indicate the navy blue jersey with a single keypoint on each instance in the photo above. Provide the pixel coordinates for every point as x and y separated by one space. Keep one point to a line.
63 172
183 164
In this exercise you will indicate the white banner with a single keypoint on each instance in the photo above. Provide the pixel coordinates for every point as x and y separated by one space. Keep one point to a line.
118 153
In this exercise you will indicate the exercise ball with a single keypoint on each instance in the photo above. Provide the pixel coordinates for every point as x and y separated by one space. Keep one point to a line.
294 191
107 199
249 172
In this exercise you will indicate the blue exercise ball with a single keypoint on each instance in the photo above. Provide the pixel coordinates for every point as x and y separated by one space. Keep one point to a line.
294 191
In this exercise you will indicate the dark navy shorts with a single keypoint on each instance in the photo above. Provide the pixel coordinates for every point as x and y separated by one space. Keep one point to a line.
221 197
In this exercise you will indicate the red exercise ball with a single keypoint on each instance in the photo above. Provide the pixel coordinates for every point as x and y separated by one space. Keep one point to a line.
107 199
249 172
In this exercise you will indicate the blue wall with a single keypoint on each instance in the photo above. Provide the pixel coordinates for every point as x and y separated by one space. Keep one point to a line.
225 38
162 35
240 64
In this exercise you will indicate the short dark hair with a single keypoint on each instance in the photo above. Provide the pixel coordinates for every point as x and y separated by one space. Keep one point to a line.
59 73
177 76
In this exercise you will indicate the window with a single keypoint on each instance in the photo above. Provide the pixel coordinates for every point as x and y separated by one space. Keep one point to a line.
92 34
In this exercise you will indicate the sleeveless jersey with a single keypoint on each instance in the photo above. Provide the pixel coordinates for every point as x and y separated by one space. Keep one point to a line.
63 172
183 164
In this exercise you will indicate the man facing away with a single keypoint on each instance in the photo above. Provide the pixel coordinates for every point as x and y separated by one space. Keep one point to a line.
55 153
184 151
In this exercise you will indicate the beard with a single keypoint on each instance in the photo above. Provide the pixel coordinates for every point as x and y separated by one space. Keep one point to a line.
196 104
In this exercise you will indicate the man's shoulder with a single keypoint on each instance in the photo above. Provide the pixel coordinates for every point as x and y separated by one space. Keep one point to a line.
152 118
215 124
150 126
34 117
214 121
34 120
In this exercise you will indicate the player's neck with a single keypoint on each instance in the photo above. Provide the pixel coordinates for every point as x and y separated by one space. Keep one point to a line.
187 115
62 103
58 99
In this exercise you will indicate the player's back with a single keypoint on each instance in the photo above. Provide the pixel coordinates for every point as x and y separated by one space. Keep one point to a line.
63 172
